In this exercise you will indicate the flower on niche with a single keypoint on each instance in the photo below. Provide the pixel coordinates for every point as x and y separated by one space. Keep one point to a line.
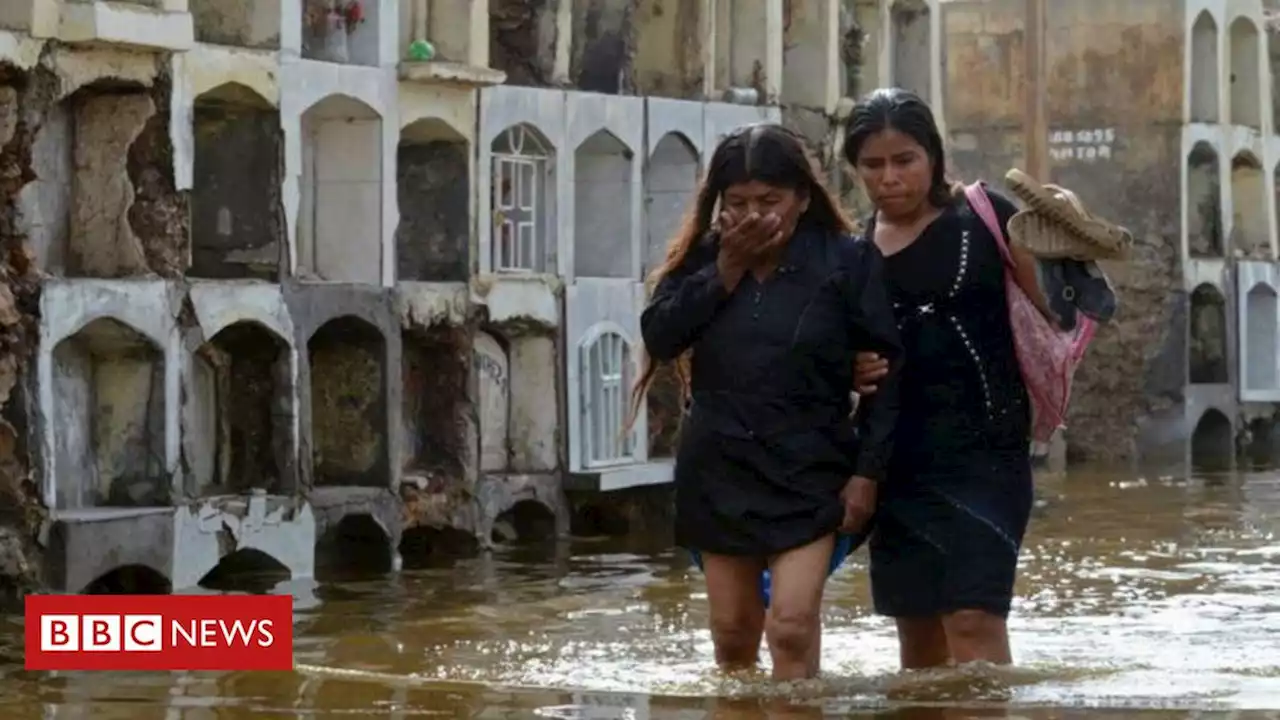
353 12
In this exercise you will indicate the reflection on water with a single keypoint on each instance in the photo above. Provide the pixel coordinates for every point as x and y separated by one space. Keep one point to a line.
1139 597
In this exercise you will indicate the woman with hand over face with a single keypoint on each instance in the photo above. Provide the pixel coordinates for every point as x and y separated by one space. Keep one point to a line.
951 519
767 297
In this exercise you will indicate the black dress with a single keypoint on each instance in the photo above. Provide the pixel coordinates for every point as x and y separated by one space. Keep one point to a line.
767 443
951 522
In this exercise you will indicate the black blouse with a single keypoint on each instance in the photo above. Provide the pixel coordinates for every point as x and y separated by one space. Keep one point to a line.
962 391
777 356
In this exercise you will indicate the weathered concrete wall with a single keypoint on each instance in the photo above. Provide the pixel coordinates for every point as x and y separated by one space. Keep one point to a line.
523 39
1115 98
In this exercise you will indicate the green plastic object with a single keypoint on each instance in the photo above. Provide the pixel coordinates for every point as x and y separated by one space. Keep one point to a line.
421 51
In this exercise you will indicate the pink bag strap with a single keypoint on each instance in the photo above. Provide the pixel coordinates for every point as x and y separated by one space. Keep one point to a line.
981 204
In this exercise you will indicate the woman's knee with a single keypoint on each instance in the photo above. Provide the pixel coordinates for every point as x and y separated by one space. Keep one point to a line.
736 633
793 630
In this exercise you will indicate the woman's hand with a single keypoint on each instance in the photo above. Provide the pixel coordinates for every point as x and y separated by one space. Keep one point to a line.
745 243
868 369
859 498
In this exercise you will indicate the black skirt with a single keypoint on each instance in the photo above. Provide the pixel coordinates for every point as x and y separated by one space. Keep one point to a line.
759 496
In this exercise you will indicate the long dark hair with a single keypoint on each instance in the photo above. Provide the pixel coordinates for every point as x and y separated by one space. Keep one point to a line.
771 154
904 111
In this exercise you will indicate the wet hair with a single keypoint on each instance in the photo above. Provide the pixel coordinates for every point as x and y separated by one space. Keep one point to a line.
904 111
764 152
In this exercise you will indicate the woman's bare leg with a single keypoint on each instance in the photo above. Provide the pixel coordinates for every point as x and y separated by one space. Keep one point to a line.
974 635
737 610
794 623
922 643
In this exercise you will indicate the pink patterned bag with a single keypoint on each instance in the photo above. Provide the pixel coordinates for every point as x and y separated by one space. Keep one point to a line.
1048 356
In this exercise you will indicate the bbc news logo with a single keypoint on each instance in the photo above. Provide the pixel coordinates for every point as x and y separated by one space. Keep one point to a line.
159 632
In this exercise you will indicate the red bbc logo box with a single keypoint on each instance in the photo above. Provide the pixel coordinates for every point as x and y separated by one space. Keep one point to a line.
159 632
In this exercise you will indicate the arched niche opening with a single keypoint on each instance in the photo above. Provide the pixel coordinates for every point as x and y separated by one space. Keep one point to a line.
89 207
358 546
1204 69
246 570
109 418
1250 208
606 378
240 412
1261 321
672 183
333 32
433 188
493 401
603 193
524 190
668 59
237 209
424 546
236 22
130 580
1261 445
911 58
347 358
1246 74
1212 443
1204 202
527 521
1207 339
435 371
340 212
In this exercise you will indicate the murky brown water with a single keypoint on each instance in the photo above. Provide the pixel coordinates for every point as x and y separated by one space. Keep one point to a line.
1138 598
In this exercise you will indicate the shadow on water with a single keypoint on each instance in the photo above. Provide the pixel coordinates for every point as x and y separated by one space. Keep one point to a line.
1139 597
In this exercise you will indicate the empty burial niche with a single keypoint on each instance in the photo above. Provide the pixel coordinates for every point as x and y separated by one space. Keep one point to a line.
1246 74
673 179
435 366
242 411
1212 443
910 56
1207 339
130 580
246 570
433 181
860 45
1260 322
493 401
445 23
238 23
340 218
602 207
358 546
1204 69
522 40
523 200
109 418
741 47
236 208
667 61
804 53
606 378
599 60
76 212
347 358
340 31
423 547
528 521
1260 446
1249 207
1204 203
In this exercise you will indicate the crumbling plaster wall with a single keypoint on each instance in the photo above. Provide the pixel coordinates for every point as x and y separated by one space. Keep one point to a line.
129 182
1116 69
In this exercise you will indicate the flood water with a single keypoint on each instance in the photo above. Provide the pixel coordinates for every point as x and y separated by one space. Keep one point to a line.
1139 598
